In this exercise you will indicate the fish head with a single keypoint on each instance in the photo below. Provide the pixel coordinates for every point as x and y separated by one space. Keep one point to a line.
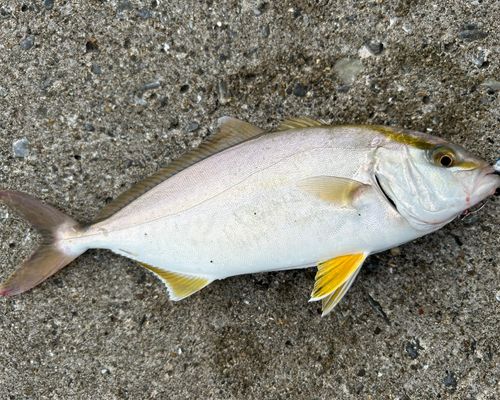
431 181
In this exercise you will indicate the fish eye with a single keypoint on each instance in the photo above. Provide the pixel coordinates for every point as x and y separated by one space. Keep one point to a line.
446 160
443 156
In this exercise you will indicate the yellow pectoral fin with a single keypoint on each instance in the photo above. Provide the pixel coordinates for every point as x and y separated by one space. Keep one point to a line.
332 189
179 285
334 278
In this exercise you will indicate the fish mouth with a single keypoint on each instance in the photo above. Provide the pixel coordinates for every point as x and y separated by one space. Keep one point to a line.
384 193
484 184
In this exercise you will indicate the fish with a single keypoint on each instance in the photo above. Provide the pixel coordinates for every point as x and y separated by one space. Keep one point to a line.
247 201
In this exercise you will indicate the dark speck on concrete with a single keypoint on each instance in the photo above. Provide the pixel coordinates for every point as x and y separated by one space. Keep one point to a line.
91 46
299 90
143 13
344 88
361 372
5 12
48 4
96 69
89 127
59 282
267 31
450 382
191 127
376 305
28 42
412 348
164 101
141 279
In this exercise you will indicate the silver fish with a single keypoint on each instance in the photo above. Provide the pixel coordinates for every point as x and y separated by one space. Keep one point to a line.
247 201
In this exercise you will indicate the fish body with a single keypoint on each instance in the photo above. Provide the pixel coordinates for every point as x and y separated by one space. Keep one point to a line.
306 194
224 217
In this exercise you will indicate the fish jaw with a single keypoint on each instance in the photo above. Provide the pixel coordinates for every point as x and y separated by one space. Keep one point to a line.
483 183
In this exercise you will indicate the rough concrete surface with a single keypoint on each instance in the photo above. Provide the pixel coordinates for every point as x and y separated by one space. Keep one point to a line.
95 95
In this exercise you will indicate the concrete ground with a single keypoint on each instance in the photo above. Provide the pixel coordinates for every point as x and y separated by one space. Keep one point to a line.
96 95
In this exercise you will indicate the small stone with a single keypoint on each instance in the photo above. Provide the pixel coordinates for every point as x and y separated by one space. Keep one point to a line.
28 43
395 251
224 93
48 4
89 127
374 46
344 88
361 372
223 57
497 296
143 13
480 59
472 34
123 6
267 31
164 102
299 90
192 126
348 69
257 11
492 84
21 148
140 92
96 69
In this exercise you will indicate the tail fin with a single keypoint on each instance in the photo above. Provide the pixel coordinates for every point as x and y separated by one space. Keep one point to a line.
47 258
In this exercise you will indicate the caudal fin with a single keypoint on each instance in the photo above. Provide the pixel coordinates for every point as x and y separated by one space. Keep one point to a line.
47 258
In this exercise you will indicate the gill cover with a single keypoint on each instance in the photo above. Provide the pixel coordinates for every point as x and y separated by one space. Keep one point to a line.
430 186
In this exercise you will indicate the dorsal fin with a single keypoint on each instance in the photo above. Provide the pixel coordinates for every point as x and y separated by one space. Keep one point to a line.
232 132
299 123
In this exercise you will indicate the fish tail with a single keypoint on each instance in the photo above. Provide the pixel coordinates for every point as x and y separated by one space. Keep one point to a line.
50 256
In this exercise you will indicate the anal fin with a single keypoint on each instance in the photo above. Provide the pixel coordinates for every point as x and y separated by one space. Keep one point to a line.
330 301
334 278
179 286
